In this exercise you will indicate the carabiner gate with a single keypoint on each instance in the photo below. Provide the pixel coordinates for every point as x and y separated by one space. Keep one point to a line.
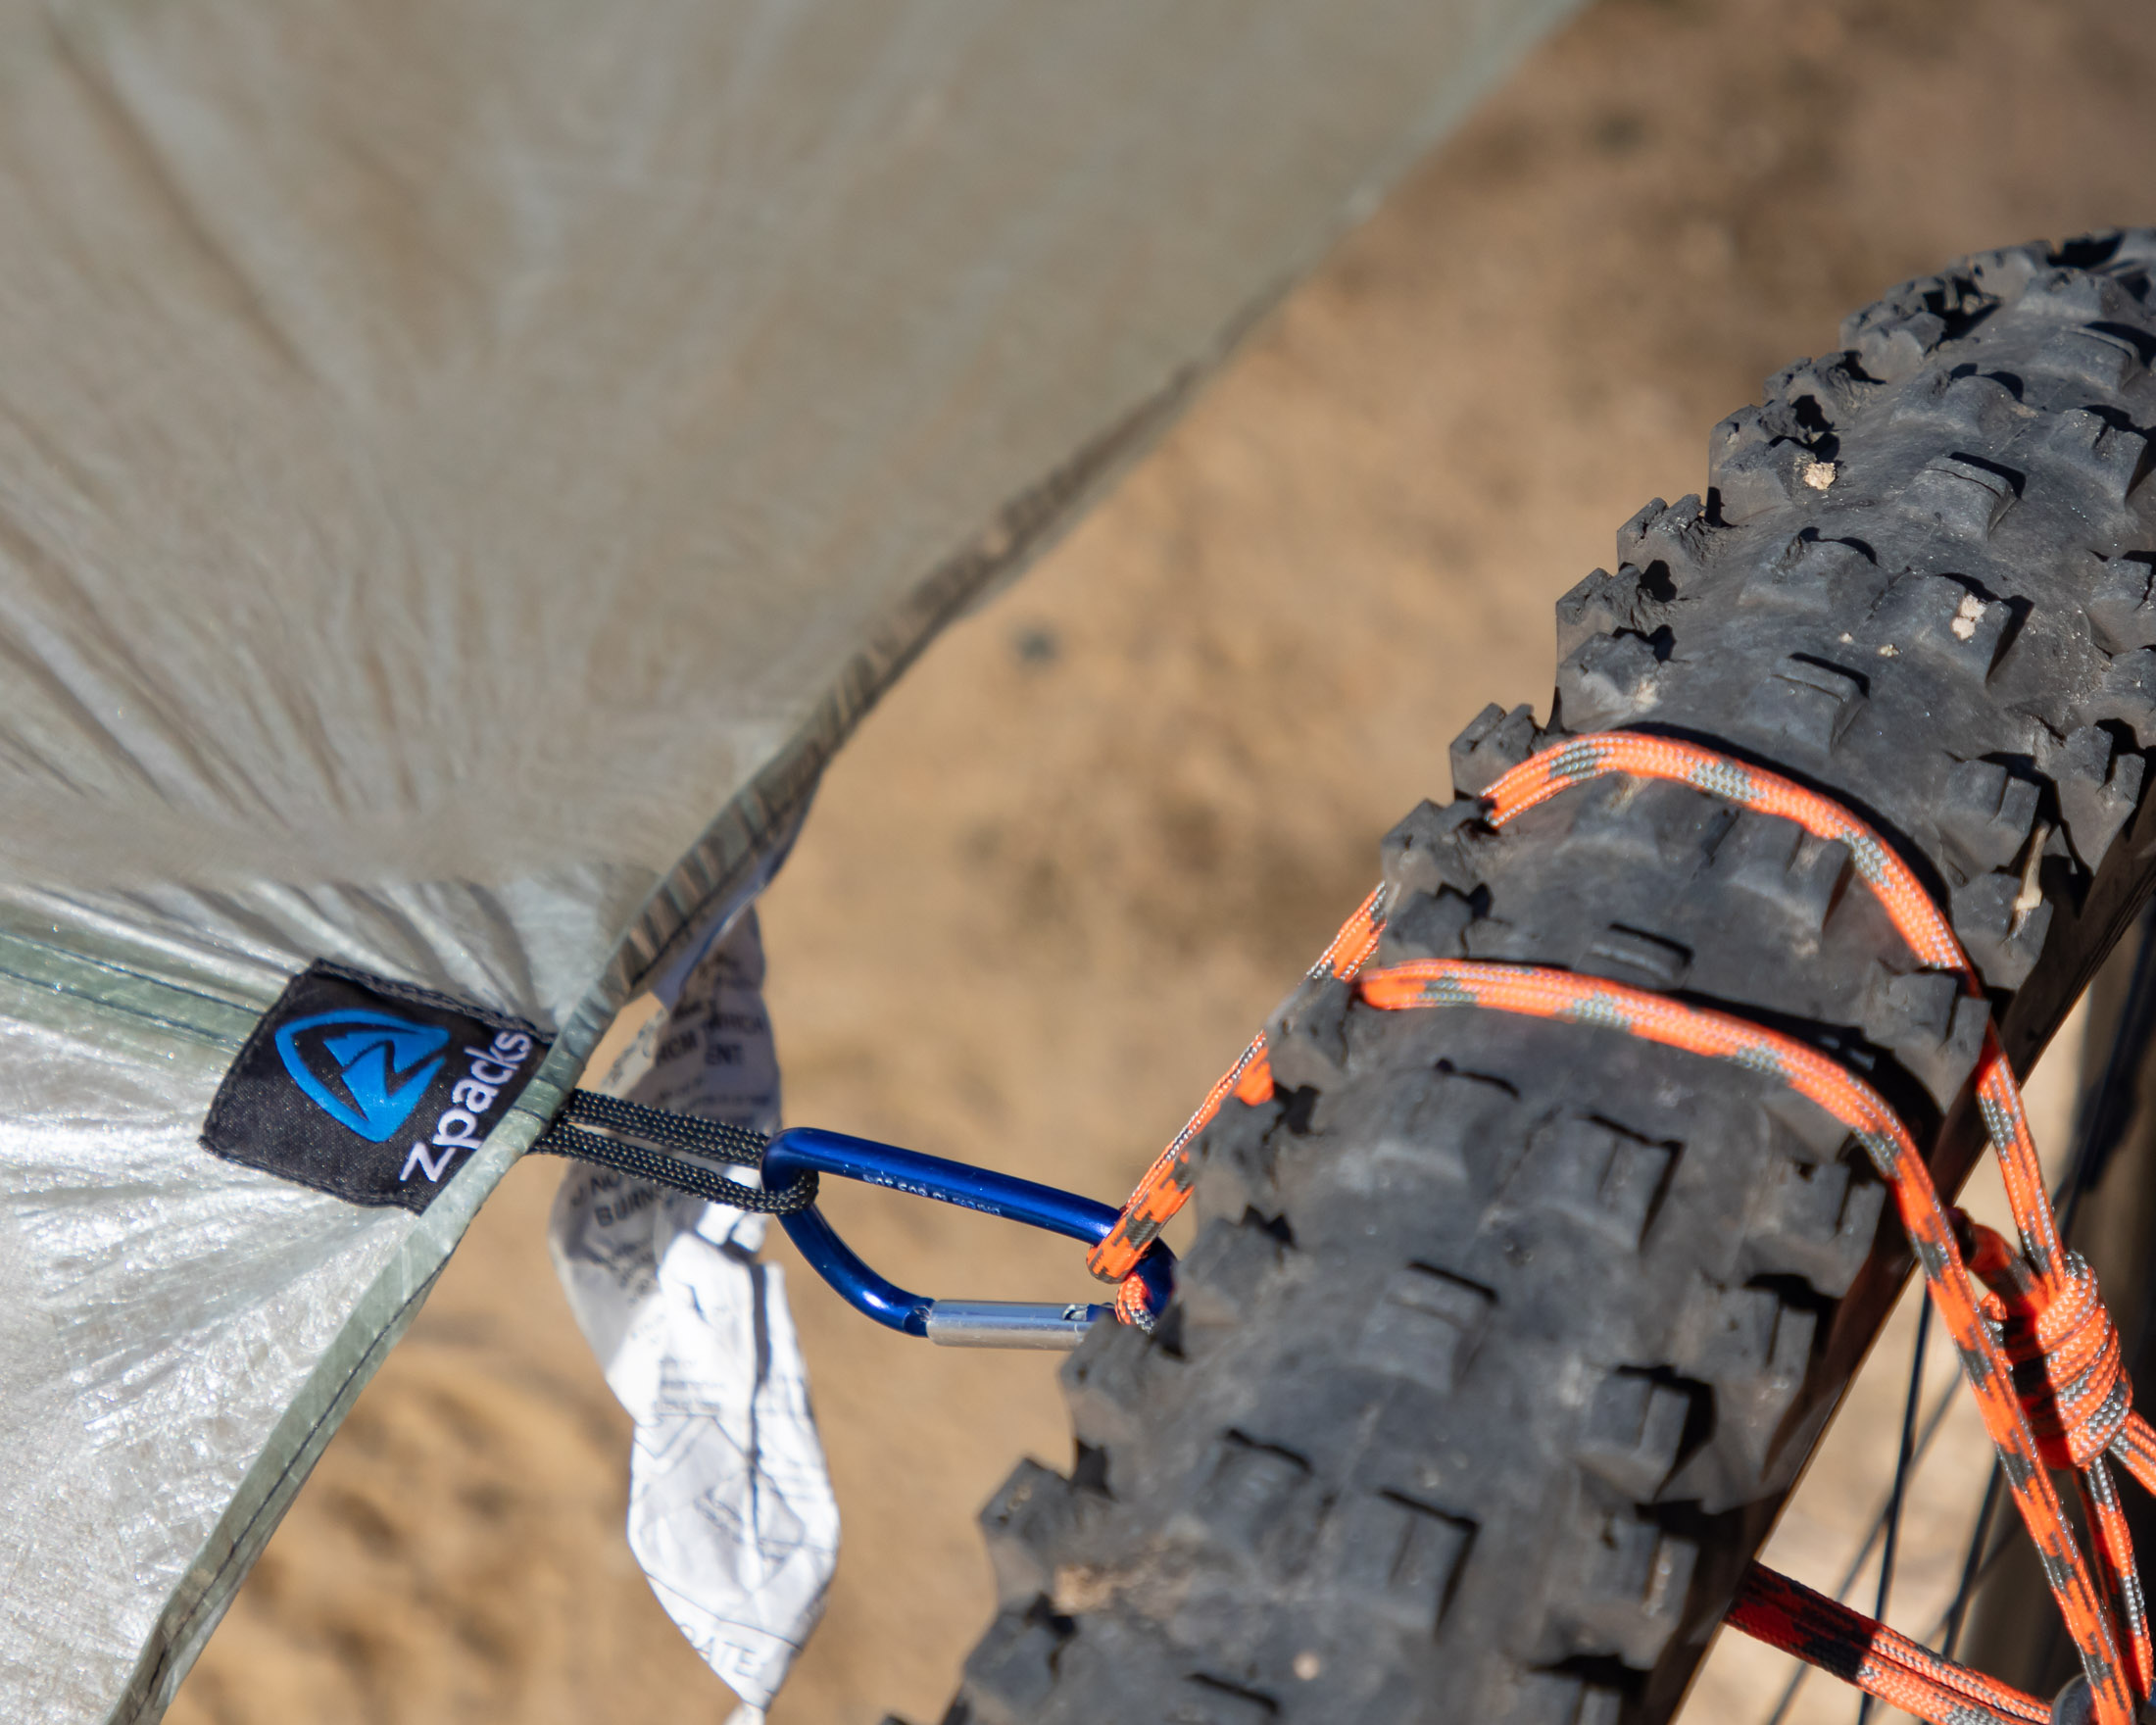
952 1323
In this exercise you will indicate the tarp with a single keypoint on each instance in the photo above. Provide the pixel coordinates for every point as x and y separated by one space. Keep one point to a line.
462 467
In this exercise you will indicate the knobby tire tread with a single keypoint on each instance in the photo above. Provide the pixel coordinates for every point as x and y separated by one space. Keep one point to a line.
1503 1339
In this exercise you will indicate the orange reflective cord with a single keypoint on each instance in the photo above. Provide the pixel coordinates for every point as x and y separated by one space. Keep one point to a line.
1164 1187
1560 993
1790 1616
2048 1383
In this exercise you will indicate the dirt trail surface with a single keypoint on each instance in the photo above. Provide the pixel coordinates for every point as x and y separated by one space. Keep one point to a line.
1075 860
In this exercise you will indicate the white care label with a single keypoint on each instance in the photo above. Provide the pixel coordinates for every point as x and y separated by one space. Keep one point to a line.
731 1515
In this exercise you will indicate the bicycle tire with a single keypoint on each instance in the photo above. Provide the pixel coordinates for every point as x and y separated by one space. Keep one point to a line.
1503 1340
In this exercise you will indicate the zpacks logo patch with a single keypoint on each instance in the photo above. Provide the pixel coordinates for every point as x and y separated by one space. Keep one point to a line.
369 1088
368 1054
472 1099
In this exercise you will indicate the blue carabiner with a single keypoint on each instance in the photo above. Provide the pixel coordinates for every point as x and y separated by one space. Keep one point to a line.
960 1323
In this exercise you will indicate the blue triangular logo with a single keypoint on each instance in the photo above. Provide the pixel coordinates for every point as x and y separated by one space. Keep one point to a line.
381 1064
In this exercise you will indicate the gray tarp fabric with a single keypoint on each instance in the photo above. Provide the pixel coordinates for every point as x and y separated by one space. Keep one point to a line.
462 467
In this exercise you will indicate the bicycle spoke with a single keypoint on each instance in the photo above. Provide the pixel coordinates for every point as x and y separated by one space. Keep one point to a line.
1904 1461
2098 1126
1789 1694
1933 1423
2101 1121
1972 1567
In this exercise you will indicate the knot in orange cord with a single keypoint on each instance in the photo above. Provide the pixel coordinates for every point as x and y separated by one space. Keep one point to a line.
2069 1369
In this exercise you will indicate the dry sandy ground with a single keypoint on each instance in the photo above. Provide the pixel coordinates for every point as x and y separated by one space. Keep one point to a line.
1078 856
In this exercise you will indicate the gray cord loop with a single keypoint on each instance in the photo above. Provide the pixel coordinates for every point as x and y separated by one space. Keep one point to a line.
621 1122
